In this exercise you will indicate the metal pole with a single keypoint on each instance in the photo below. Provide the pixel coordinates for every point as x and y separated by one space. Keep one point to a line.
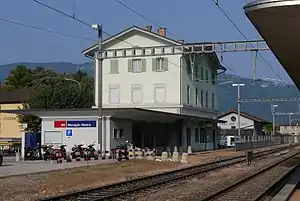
290 119
99 81
273 115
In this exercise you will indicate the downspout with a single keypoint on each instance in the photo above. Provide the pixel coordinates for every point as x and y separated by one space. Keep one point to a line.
180 81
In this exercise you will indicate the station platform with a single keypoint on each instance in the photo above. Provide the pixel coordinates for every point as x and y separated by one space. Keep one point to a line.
291 191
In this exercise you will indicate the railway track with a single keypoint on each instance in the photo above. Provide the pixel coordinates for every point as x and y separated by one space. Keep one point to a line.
123 188
261 185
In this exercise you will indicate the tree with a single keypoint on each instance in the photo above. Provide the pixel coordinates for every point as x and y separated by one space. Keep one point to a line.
20 77
51 90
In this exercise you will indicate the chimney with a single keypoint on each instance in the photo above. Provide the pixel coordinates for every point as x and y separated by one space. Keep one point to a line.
162 31
149 28
181 41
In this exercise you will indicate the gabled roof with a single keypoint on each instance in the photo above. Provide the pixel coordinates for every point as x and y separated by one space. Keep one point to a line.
246 115
132 28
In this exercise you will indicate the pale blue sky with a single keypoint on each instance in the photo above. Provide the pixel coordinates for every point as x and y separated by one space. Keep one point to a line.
191 20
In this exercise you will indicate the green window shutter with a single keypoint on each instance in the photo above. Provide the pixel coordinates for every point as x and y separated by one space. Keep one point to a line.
129 65
166 62
154 64
144 68
114 66
201 74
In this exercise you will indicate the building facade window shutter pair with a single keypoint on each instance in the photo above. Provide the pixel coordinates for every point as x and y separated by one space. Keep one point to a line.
114 66
160 64
137 65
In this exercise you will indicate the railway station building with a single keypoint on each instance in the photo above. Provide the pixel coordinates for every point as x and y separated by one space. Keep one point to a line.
158 92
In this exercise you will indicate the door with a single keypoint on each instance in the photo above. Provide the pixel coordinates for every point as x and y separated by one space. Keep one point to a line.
188 137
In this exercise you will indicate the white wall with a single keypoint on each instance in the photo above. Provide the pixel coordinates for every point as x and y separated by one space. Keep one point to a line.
244 122
201 61
290 129
125 79
80 135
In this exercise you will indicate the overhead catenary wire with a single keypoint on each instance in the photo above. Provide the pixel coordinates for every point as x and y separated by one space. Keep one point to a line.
144 17
216 2
158 25
46 30
89 25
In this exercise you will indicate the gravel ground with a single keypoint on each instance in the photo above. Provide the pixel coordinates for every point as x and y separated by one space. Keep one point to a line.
34 186
199 187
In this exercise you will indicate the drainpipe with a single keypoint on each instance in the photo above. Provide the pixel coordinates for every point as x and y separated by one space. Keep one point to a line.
180 84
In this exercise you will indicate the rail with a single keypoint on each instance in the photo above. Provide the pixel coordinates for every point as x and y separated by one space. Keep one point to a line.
126 187
258 185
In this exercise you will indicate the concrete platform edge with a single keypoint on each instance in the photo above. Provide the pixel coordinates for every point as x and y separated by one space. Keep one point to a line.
289 188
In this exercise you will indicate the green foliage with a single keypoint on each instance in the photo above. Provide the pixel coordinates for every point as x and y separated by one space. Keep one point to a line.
20 77
51 91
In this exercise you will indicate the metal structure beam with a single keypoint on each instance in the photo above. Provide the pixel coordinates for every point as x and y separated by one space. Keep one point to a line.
286 113
265 100
187 48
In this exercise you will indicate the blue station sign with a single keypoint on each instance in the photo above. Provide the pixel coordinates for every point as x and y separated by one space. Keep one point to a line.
81 124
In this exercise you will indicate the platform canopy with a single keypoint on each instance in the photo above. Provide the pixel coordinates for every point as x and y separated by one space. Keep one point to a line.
135 114
278 23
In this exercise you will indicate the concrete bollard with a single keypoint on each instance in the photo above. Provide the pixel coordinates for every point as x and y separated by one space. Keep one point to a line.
17 156
175 156
189 150
164 156
184 158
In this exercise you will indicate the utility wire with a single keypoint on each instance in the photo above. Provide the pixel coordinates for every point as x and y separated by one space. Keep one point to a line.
144 17
216 2
46 30
87 24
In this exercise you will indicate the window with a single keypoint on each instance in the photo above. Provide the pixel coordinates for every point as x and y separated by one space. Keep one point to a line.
137 65
201 74
114 93
213 100
213 78
206 99
160 64
202 135
197 135
233 127
114 66
188 94
201 98
196 73
196 97
160 93
233 118
136 93
206 75
118 133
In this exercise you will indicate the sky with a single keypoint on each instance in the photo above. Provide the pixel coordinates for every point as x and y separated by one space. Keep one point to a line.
191 20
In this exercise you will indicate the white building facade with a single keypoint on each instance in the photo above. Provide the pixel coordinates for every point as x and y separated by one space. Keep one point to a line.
156 92
250 125
159 77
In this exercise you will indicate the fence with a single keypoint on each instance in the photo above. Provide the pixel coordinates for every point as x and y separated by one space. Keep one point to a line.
252 142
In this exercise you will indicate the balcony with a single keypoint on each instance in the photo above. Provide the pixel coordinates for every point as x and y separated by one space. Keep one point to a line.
277 22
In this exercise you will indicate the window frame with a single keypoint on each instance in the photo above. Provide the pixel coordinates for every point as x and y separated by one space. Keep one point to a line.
137 66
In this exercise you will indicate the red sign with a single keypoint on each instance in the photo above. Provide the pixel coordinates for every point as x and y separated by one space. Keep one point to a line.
60 124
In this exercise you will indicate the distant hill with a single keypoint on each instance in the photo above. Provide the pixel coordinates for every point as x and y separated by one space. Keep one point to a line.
227 95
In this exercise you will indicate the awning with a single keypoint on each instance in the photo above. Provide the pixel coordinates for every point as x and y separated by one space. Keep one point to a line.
277 22
135 114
